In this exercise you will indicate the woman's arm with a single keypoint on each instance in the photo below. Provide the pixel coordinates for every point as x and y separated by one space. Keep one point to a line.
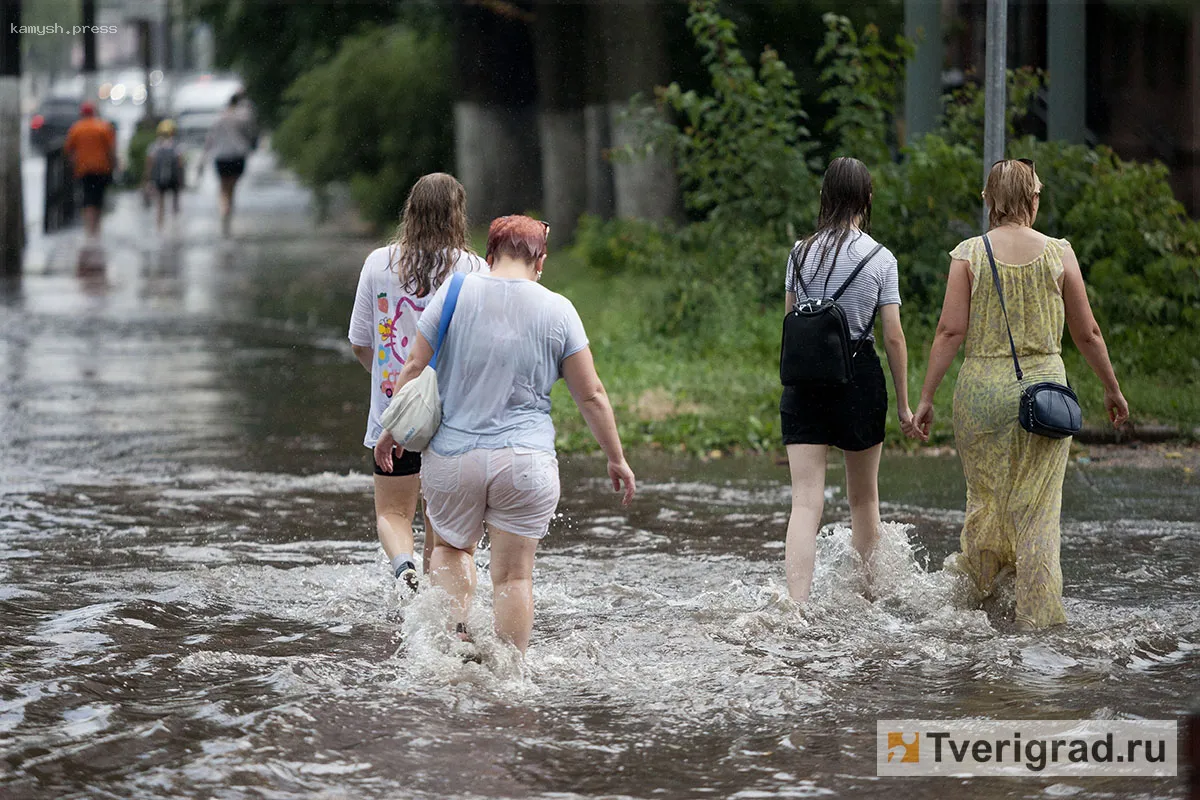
579 371
897 355
364 353
1085 332
951 330
790 299
418 359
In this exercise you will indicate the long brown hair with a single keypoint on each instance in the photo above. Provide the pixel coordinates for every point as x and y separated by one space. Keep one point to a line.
845 199
431 235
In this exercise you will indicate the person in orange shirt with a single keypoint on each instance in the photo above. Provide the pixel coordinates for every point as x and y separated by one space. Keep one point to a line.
92 147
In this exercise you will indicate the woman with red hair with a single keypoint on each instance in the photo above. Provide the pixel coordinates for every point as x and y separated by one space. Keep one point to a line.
493 460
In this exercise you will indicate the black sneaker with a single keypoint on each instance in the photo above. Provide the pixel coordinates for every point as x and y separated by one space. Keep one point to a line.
407 572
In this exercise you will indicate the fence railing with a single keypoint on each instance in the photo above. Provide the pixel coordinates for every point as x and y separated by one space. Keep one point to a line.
60 206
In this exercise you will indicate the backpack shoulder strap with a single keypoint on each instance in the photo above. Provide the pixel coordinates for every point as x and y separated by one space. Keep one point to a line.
456 282
854 274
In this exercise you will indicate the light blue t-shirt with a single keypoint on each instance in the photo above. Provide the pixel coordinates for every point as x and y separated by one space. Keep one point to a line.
503 353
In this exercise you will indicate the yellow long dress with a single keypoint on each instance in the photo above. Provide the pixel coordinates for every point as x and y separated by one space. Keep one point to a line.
1014 478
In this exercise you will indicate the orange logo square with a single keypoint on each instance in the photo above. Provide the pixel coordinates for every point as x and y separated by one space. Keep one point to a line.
904 747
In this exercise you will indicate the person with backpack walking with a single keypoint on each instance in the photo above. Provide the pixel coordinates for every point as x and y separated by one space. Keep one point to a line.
164 169
838 280
396 283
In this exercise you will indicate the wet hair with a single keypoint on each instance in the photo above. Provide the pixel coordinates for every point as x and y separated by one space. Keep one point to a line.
431 235
518 237
236 98
1011 189
845 199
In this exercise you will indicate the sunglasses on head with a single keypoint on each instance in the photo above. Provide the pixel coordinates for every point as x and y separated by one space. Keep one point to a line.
546 228
1026 161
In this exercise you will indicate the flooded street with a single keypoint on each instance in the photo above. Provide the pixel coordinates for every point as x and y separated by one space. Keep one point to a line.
194 603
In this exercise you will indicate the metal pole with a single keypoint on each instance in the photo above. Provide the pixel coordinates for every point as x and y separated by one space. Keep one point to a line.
12 199
995 86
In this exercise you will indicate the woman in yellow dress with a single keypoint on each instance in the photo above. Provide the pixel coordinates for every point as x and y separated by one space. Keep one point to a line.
1014 478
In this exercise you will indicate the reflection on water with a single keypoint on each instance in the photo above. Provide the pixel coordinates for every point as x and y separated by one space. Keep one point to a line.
194 604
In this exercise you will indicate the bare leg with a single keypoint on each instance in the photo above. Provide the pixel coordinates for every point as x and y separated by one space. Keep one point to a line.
226 203
512 579
395 504
862 487
161 201
453 569
807 464
430 539
91 221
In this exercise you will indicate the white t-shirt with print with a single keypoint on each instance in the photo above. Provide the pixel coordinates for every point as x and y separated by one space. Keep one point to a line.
385 319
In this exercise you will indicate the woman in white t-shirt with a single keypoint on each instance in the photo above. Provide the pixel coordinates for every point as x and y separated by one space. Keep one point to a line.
396 283
492 459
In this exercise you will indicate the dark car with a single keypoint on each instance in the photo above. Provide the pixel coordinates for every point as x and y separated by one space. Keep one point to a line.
49 125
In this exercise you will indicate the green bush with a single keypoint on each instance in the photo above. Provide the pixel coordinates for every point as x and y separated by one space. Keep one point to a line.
377 115
706 297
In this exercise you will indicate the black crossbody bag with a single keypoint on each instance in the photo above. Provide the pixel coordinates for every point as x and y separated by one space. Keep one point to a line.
816 344
1048 408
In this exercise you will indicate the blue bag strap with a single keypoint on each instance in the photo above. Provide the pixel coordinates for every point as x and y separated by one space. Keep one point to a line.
456 283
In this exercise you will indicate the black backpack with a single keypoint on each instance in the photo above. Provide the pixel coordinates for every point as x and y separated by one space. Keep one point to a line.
816 337
165 169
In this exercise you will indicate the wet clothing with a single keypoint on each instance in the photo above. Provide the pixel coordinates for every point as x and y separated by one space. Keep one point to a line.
93 187
90 143
230 167
513 489
850 417
385 319
230 137
165 165
406 463
502 355
1014 478
877 285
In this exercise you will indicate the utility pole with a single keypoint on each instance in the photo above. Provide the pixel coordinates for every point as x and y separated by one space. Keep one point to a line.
12 198
995 88
89 50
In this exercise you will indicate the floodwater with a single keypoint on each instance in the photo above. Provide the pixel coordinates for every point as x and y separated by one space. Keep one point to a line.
194 604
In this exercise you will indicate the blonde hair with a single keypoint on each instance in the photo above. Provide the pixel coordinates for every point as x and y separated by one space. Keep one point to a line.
1011 190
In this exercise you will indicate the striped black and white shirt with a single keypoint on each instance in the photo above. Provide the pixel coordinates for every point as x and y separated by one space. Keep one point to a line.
877 285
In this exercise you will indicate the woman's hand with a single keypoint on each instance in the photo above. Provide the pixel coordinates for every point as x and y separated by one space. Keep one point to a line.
1118 409
922 421
383 451
906 422
620 473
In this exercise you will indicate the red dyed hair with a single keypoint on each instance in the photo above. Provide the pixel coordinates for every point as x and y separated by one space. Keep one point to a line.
516 236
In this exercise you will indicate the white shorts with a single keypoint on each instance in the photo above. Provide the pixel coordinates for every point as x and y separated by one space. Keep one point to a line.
514 489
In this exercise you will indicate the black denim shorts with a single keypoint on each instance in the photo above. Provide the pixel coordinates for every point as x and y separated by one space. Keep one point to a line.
407 464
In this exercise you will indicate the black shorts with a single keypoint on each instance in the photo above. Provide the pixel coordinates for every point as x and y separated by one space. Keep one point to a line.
93 189
230 167
850 417
163 188
407 464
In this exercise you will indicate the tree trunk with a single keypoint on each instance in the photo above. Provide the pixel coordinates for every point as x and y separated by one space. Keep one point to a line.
495 124
559 36
636 62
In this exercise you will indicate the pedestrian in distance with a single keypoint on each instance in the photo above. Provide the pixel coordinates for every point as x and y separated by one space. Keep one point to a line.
1014 477
396 283
91 145
492 459
840 262
164 169
229 142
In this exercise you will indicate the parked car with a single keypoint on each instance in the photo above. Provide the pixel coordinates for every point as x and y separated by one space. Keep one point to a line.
50 122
